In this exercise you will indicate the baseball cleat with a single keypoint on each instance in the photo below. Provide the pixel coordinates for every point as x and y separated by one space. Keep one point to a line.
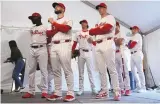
122 92
28 95
69 98
44 95
54 97
101 95
127 92
117 96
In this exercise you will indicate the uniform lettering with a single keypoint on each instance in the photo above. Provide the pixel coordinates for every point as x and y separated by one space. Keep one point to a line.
36 32
83 36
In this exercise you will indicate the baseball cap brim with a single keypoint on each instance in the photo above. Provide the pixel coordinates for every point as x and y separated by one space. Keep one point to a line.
97 7
31 17
55 4
81 22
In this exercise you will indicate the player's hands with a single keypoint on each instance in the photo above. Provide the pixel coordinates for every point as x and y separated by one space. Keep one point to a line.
51 20
90 40
119 41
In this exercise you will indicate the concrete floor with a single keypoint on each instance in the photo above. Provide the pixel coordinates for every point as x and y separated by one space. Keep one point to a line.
147 97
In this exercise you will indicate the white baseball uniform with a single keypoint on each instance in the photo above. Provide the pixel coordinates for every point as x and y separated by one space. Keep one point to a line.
105 54
61 57
38 54
86 55
123 63
137 61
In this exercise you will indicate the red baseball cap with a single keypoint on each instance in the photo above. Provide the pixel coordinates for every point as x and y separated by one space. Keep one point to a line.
34 15
59 4
134 27
83 21
117 23
101 5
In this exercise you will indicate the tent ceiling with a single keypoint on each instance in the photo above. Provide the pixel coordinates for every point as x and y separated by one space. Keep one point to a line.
145 14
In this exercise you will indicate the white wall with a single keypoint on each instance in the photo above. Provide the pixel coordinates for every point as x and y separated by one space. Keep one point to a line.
152 48
76 10
19 17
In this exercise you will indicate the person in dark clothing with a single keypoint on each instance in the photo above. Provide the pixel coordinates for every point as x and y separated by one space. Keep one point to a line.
17 58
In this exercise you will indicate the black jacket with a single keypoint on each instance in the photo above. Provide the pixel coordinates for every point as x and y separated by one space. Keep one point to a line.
15 54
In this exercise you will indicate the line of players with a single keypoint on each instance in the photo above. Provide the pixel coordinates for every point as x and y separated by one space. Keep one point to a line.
105 41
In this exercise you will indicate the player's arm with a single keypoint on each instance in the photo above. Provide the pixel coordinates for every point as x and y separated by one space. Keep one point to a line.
132 44
62 27
101 30
134 41
75 40
74 46
52 32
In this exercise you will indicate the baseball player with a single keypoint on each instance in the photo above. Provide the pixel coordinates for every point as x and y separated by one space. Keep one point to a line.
86 54
122 61
105 51
61 53
38 54
135 46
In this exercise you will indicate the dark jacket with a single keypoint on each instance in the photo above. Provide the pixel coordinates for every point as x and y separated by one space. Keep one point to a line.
15 52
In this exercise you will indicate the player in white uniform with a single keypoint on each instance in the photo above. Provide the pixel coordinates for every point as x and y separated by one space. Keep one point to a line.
135 46
61 53
123 63
38 54
105 51
86 55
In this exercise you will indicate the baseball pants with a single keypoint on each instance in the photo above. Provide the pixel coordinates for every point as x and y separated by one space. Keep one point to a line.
122 66
61 57
85 57
38 55
137 69
105 54
50 79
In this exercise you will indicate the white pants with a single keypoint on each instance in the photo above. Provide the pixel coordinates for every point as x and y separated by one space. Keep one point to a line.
137 69
50 79
85 57
61 57
105 54
38 55
123 64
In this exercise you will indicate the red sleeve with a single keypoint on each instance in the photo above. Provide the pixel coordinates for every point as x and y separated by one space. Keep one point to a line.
94 31
74 46
94 43
106 29
132 44
61 27
100 31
